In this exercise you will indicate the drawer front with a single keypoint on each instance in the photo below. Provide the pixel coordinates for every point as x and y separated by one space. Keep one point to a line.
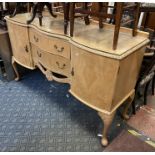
51 62
50 44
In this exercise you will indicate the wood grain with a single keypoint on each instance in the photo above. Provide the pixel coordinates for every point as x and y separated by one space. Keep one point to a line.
50 44
51 62
20 44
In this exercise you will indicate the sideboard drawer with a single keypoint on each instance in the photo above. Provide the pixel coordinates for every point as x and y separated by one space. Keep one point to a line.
50 44
51 62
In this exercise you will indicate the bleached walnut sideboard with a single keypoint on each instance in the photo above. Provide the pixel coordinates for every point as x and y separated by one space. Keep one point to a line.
99 76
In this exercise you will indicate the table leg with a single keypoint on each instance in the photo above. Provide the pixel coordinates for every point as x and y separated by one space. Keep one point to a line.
129 101
107 120
15 69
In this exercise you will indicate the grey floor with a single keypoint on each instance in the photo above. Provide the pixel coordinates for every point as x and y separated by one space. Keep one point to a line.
38 115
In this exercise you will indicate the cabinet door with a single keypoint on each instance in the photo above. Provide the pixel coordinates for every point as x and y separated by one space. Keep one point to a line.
20 44
93 78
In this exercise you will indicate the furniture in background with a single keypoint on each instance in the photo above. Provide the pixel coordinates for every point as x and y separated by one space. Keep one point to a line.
38 8
148 16
11 8
99 76
20 7
3 12
102 13
6 54
5 47
147 73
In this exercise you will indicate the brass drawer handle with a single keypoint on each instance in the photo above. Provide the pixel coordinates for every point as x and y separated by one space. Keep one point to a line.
39 54
59 66
58 50
26 48
35 38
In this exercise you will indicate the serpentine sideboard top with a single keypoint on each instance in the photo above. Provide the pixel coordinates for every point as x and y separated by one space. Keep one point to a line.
89 37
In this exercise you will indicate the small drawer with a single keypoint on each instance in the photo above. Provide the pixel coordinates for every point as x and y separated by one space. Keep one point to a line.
50 44
51 62
60 47
61 65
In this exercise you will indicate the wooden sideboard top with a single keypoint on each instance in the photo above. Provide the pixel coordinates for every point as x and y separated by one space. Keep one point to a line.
88 37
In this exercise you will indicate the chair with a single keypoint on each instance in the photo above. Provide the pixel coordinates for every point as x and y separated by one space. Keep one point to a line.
102 13
147 73
20 7
38 9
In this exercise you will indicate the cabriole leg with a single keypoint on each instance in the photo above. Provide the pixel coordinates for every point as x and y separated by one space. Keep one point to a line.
107 120
129 101
15 69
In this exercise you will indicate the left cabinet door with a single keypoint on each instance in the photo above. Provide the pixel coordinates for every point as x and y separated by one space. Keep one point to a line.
20 44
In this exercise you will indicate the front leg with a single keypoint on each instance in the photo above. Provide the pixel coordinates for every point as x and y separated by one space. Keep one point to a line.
107 120
129 101
66 6
86 18
34 12
40 10
15 69
50 9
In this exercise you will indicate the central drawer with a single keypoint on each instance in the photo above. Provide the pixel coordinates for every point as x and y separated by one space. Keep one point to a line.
51 62
51 44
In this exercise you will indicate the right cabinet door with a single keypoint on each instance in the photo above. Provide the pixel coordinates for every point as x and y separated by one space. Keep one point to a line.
20 44
93 78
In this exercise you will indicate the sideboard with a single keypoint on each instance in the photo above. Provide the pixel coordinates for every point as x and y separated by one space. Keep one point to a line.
100 77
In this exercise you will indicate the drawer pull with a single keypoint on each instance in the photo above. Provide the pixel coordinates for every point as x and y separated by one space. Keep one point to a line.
26 48
39 54
36 39
59 50
59 66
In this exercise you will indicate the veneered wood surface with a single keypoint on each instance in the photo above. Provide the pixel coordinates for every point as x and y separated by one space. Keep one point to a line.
94 77
101 81
51 44
20 44
127 75
88 35
51 62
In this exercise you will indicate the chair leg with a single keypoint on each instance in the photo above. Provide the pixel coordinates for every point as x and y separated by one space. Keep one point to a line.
34 12
66 7
145 92
15 11
86 19
40 9
50 9
133 107
136 17
119 11
100 17
112 21
72 12
153 83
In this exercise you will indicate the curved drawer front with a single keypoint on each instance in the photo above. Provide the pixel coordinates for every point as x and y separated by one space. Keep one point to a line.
51 62
51 44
